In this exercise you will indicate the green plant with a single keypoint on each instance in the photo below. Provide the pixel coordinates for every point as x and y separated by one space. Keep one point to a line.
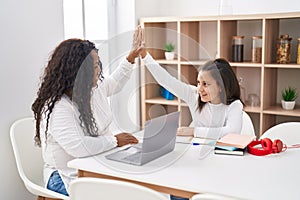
289 94
169 47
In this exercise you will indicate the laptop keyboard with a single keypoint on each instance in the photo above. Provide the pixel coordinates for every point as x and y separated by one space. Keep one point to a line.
133 158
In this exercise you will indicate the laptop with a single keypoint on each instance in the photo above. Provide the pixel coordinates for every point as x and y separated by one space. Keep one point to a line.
159 139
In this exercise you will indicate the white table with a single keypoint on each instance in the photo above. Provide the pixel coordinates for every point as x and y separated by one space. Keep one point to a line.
183 173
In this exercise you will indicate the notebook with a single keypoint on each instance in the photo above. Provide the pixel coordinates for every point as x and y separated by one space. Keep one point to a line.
159 139
235 140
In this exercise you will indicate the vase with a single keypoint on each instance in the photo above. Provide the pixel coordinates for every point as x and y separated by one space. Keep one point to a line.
288 105
169 55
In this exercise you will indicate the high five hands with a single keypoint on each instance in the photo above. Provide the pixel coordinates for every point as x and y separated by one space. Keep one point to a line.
138 45
138 38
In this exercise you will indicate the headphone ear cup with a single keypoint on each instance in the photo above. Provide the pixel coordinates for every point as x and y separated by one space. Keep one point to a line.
267 145
277 146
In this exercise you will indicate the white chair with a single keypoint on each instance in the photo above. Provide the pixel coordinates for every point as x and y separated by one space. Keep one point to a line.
96 188
29 158
247 126
288 133
208 196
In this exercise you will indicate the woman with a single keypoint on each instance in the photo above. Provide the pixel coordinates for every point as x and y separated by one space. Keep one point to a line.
72 112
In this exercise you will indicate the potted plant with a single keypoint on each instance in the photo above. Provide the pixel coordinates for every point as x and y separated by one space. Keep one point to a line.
289 95
169 51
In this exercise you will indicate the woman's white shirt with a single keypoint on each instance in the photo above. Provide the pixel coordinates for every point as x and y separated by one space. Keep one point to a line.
214 120
65 137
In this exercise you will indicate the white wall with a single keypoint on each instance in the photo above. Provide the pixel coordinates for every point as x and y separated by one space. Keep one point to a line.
29 31
125 104
147 8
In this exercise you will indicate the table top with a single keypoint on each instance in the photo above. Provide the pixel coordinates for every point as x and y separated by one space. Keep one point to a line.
195 169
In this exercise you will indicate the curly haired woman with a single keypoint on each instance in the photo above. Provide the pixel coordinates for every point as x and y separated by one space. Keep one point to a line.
72 112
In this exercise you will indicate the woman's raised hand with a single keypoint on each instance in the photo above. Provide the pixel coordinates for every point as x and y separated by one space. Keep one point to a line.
138 38
137 45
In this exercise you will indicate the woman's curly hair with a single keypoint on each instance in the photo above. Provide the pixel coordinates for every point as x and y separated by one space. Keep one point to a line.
70 71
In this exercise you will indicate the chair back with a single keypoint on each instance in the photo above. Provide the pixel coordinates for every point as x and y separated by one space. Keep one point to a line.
247 126
96 188
29 158
288 132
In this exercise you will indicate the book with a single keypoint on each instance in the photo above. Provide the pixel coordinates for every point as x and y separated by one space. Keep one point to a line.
235 140
234 151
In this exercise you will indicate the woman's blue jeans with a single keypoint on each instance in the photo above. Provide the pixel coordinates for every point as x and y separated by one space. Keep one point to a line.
177 198
56 184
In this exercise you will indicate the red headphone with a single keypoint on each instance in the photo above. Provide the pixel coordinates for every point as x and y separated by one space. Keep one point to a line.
268 147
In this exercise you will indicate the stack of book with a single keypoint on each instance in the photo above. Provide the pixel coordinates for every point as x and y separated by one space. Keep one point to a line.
233 144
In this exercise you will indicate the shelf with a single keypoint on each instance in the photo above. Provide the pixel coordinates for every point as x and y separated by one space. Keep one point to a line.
278 110
182 103
193 62
245 64
252 109
287 66
163 101
199 39
170 62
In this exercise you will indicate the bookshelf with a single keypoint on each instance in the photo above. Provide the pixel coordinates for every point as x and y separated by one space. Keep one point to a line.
198 39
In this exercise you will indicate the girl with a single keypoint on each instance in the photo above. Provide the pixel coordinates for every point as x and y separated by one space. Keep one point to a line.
215 103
